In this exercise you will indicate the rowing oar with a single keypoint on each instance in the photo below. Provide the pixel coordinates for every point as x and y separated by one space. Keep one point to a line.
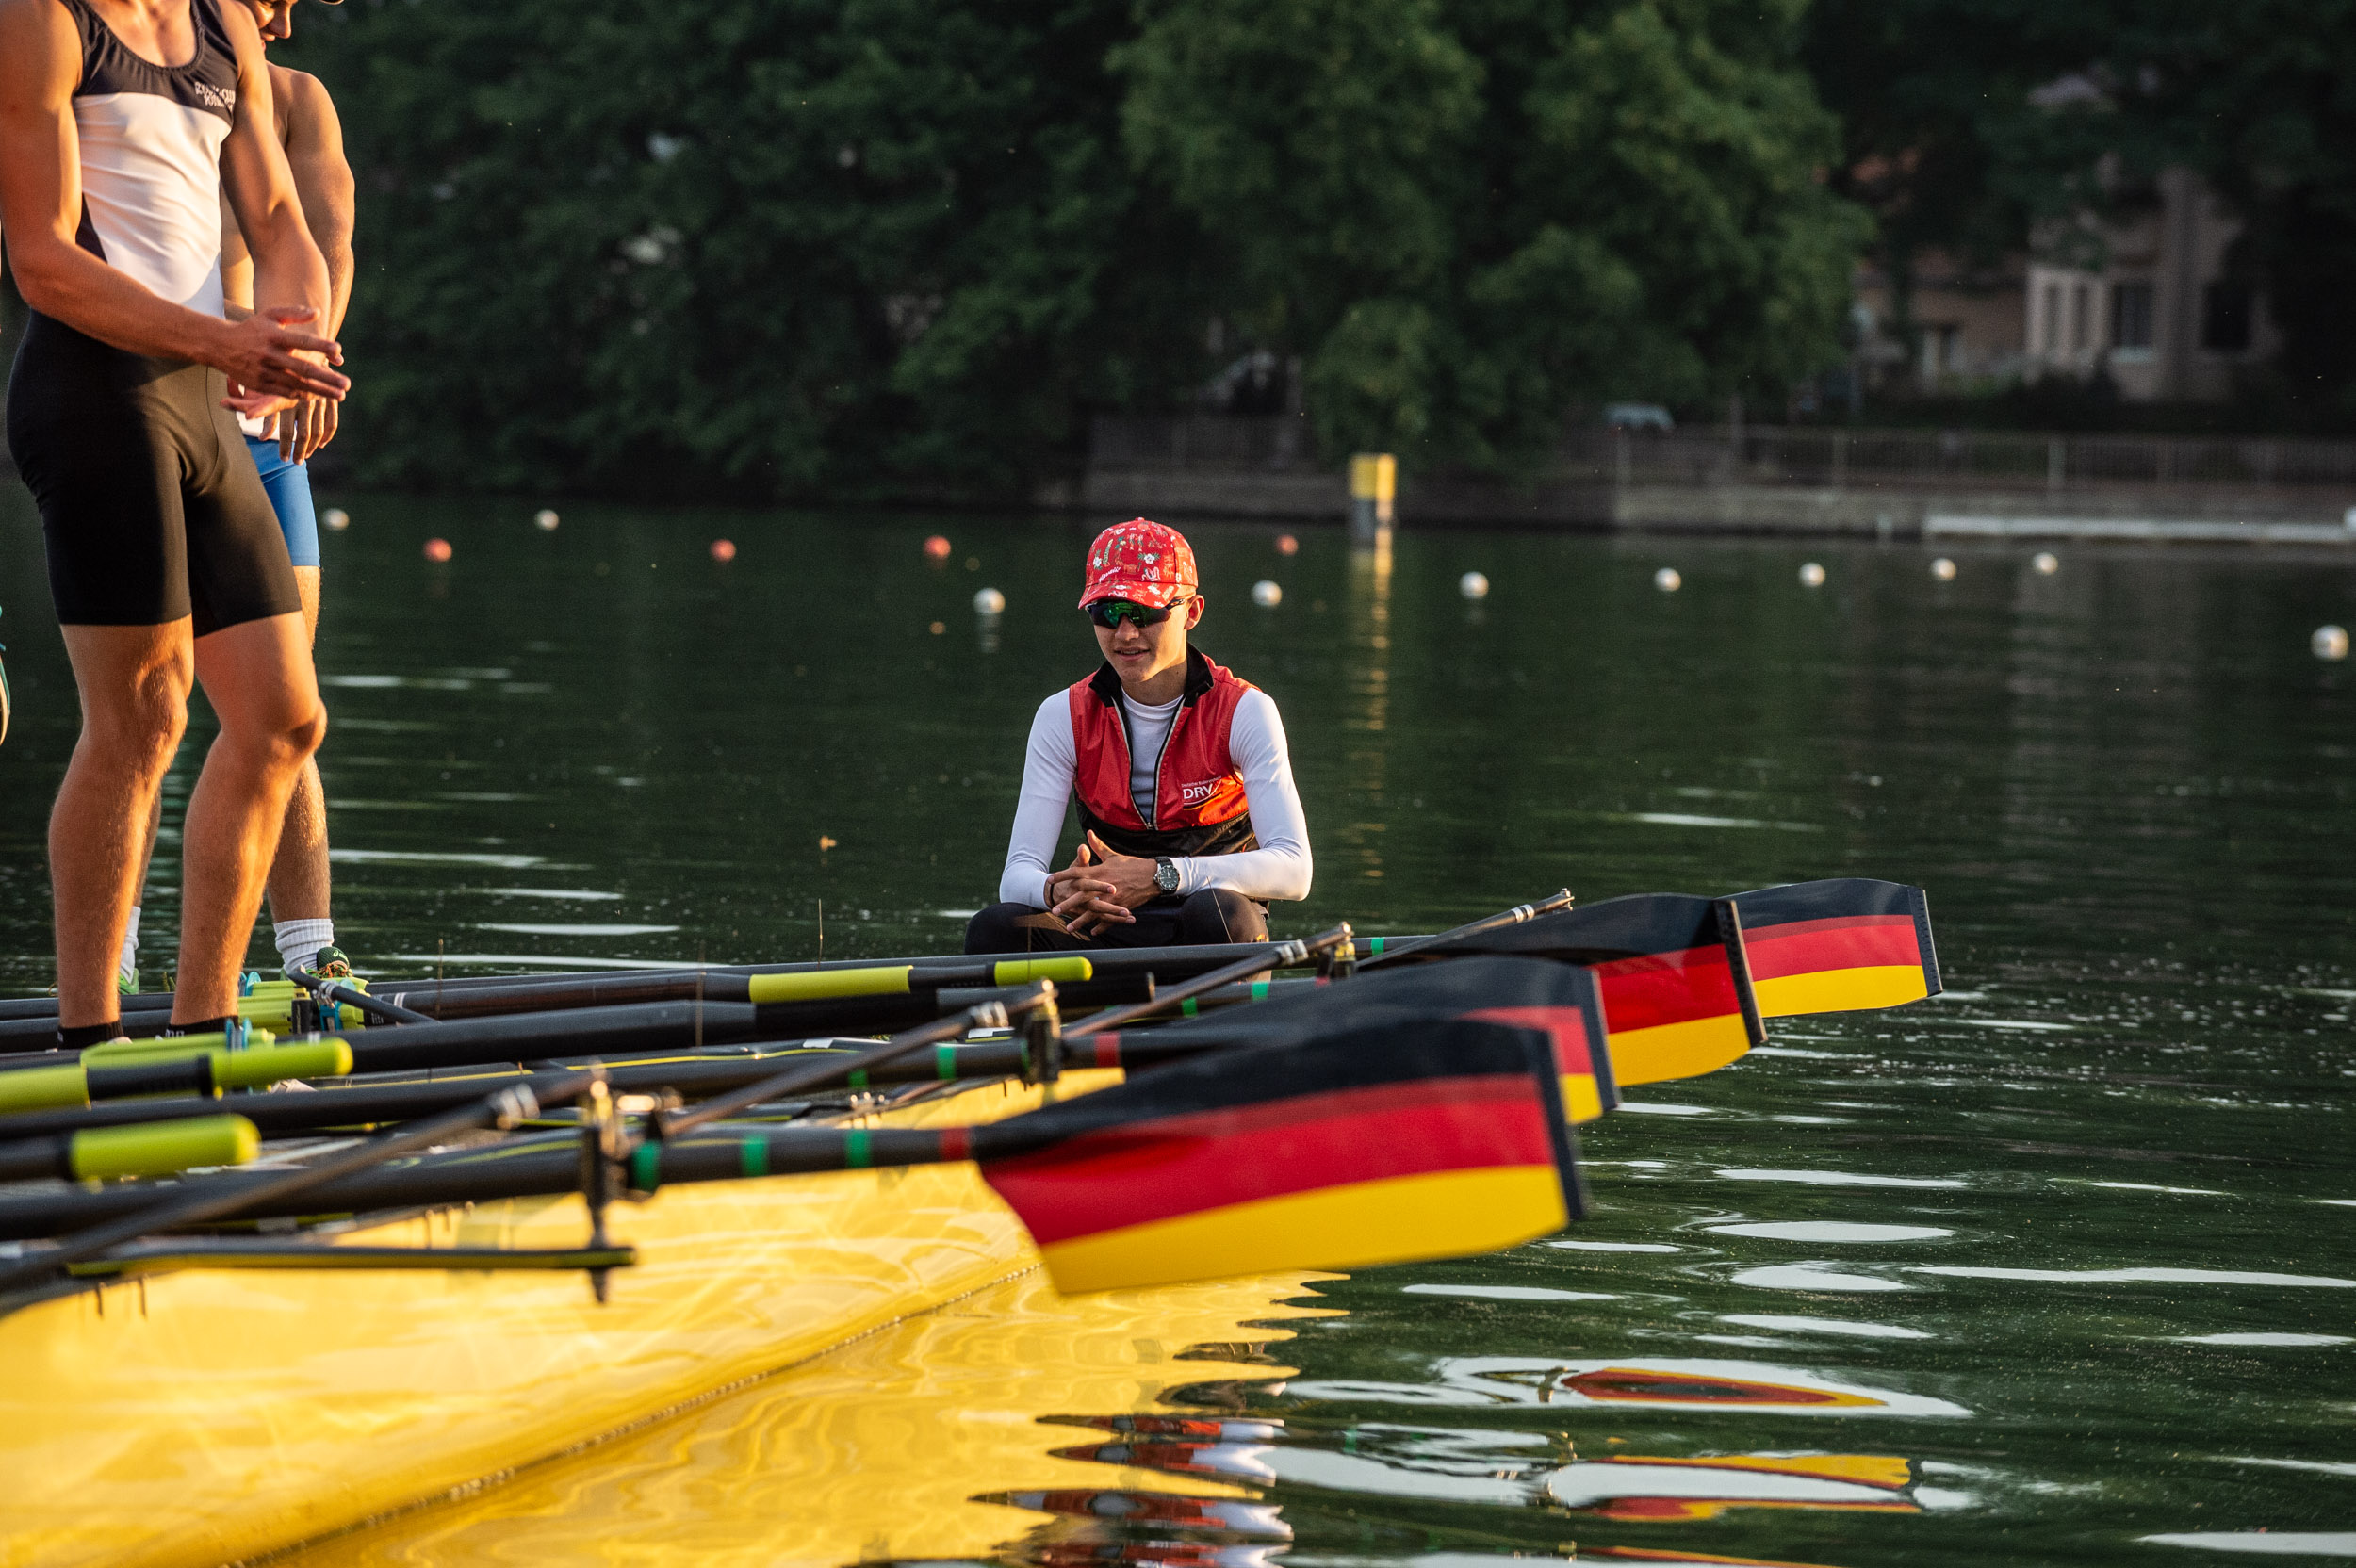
785 1012
330 993
153 1149
1675 977
265 1196
1840 944
194 1064
1380 951
1274 955
1360 1148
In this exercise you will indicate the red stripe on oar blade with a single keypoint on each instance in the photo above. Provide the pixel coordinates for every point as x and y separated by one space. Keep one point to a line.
1653 988
1188 1164
1565 1026
1815 946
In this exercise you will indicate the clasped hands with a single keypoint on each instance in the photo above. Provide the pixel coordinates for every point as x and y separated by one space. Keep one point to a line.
1098 887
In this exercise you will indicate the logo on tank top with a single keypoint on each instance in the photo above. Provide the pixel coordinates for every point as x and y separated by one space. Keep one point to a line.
224 99
1194 794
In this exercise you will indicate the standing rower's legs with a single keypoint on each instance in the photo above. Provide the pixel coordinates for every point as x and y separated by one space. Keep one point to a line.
133 682
258 677
298 881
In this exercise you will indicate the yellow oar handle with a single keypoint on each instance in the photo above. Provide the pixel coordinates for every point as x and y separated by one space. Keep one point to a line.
166 1048
825 985
829 984
1021 972
164 1147
253 1070
43 1089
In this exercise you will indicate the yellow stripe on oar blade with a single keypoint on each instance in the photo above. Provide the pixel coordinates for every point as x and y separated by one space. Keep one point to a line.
1440 1214
825 985
1063 970
1840 991
164 1148
1685 1050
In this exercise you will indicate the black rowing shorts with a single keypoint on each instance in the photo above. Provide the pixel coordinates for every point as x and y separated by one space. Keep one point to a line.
148 496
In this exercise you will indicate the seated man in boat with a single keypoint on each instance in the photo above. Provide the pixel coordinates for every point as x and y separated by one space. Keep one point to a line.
1190 819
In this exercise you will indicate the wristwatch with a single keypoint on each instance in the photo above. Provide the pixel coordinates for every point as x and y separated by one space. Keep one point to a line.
1166 874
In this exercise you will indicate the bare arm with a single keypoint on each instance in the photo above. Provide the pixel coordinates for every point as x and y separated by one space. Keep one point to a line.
289 272
323 178
40 205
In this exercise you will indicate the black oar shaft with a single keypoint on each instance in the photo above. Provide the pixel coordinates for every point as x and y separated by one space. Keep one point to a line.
1399 947
206 1202
1274 955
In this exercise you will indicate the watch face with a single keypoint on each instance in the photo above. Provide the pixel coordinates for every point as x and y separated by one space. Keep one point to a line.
1166 877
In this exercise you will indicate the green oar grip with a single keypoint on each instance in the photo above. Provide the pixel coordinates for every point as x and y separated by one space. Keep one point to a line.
826 984
1063 970
168 1048
44 1088
250 1070
164 1149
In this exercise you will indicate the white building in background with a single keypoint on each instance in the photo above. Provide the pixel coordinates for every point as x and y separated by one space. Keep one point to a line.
2161 314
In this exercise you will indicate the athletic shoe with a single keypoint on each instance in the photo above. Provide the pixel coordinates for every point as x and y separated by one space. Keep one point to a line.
126 985
329 963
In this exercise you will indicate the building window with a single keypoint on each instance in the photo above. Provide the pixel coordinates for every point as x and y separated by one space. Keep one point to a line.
2081 308
2225 317
2052 319
2130 316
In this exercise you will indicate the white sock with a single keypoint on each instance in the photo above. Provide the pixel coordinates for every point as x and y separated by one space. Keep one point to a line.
301 940
127 962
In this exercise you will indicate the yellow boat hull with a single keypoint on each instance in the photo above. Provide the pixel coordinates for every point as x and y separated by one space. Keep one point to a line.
206 1416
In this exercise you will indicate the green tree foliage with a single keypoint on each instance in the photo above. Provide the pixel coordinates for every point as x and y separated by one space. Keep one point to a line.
773 246
895 246
1470 218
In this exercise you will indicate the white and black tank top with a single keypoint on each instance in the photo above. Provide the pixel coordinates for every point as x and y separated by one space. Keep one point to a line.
151 140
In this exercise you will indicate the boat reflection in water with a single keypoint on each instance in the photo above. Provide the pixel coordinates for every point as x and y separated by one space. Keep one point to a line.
932 1440
1128 1527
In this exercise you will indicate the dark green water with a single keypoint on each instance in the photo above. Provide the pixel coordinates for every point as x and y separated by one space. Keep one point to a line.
2069 1256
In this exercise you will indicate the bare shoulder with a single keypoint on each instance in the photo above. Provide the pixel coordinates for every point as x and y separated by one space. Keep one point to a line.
305 110
41 34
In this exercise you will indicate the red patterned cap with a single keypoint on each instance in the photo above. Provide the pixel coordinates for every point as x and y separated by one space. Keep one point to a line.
1141 562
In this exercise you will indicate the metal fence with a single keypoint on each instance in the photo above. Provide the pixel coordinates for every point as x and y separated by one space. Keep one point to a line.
1775 454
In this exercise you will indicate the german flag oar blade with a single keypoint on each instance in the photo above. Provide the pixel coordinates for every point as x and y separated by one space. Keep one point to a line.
1561 999
1344 1151
1838 945
1677 987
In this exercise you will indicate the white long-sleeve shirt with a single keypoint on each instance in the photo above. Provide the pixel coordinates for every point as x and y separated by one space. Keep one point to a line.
1279 869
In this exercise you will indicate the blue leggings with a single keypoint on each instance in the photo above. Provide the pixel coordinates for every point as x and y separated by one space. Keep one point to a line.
289 486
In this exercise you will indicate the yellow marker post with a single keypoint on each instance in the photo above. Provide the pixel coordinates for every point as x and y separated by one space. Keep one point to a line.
1373 486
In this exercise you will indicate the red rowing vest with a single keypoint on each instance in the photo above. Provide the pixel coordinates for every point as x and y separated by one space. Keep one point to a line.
1199 802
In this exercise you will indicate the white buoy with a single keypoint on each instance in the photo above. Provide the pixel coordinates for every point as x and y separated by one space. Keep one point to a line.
1811 576
2046 562
545 520
1473 585
1943 569
1267 595
1667 579
336 518
990 601
2329 642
